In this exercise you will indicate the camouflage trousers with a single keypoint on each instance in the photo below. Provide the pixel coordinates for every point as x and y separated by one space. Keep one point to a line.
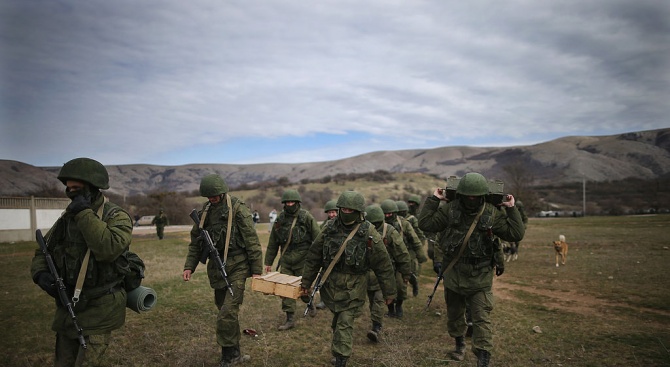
289 304
70 354
343 330
377 305
481 305
227 323
401 287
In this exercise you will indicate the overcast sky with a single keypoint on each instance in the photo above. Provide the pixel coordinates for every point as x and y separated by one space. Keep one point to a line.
175 82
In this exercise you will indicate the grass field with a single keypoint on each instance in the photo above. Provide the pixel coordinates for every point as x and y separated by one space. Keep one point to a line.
609 306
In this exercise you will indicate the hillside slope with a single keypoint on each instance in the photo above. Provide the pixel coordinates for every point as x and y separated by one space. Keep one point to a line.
644 154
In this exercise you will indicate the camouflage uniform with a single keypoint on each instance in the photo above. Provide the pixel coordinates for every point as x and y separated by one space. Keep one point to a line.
102 304
399 259
345 290
471 278
403 210
293 259
160 221
244 259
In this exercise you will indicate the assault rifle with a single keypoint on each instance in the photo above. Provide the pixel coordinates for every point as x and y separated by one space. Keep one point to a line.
62 291
317 286
210 251
437 283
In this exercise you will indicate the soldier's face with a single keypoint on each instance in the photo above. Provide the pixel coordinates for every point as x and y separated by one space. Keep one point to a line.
73 185
214 199
332 214
289 203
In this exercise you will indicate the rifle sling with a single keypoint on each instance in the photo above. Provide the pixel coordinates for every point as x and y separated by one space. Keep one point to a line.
337 256
84 265
231 213
288 241
464 244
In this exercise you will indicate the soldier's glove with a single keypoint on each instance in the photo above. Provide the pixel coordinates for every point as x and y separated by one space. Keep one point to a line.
437 267
47 282
304 294
499 270
79 203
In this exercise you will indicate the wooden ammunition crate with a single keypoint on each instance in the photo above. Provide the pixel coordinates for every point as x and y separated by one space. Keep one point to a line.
277 284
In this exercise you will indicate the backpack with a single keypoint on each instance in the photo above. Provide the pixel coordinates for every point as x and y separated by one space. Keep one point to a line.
133 278
133 266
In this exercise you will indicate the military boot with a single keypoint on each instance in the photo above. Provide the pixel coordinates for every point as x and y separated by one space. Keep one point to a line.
231 356
483 357
373 334
311 311
340 361
289 324
391 307
458 354
398 309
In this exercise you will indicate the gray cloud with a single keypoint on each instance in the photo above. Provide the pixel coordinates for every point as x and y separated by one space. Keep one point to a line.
123 80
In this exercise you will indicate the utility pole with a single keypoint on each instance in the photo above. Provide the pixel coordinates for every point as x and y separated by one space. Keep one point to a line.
583 196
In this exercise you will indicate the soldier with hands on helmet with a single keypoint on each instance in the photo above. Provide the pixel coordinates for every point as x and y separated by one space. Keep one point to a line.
413 245
472 253
292 234
87 243
242 256
400 261
346 249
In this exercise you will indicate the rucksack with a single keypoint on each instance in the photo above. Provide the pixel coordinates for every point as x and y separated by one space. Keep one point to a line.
133 278
133 266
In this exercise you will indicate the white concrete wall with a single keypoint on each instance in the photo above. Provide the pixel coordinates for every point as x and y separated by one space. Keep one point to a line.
20 218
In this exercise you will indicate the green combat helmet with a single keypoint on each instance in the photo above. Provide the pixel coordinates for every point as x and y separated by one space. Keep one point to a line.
389 206
330 205
473 184
351 200
416 199
402 207
212 185
86 170
290 195
374 213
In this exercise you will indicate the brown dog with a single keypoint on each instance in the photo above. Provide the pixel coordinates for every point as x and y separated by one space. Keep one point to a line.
561 248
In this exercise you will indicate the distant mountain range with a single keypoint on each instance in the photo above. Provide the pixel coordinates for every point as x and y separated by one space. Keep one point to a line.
644 154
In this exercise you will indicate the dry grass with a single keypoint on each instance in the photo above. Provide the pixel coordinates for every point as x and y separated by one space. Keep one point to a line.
609 306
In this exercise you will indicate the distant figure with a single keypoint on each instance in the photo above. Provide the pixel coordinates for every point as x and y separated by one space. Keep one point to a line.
273 218
137 220
160 221
256 217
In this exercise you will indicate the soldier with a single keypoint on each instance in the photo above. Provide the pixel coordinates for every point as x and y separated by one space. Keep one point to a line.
237 242
413 245
399 259
331 211
93 228
160 221
293 233
344 278
403 211
471 246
